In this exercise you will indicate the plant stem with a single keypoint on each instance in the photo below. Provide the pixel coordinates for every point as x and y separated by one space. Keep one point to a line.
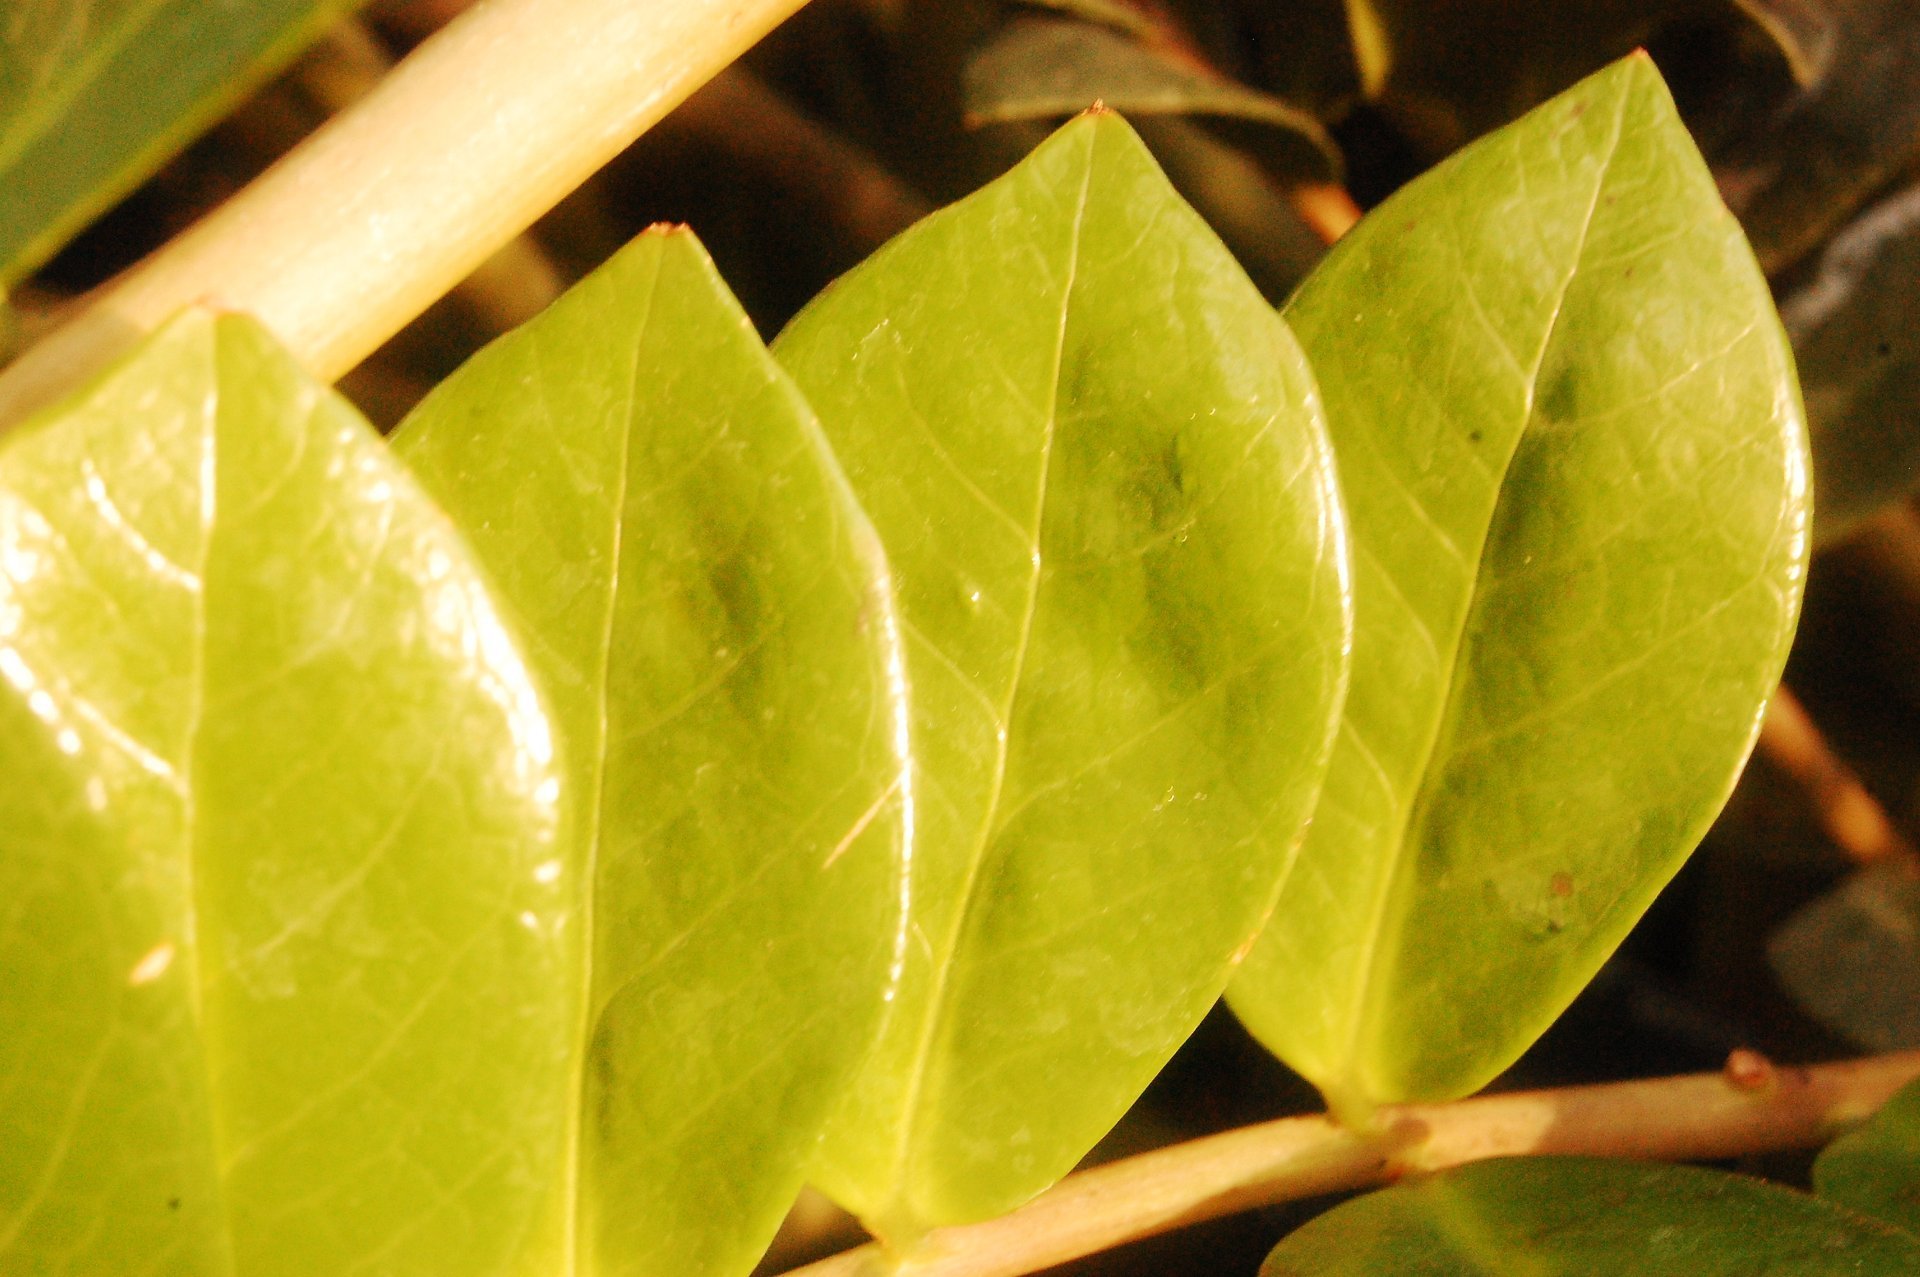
1851 816
475 134
1750 1107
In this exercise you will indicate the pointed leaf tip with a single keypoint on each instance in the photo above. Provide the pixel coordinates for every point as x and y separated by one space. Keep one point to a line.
1574 463
1095 458
710 610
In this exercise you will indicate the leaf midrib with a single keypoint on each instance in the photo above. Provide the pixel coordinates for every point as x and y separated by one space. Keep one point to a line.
943 970
1373 950
194 971
589 869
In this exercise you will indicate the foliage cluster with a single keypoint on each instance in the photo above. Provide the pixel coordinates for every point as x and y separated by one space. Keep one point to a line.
670 771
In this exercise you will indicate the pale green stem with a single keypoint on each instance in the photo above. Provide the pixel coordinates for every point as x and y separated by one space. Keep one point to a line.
1750 1107
377 215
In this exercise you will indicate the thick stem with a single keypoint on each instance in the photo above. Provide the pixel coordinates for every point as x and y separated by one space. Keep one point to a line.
478 132
1750 1107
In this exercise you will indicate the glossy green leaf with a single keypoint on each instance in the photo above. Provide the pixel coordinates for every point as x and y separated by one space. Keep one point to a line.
276 918
1876 1169
96 94
1575 470
1096 461
710 611
1577 1217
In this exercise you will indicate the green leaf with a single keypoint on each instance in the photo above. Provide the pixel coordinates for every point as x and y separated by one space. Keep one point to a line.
1548 1217
275 906
1876 1169
710 611
1850 958
1036 68
1096 461
1575 469
97 94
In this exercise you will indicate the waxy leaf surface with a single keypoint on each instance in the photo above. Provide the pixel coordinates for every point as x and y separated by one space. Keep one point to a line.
96 94
1876 1169
276 919
1575 471
1575 1217
709 610
1097 465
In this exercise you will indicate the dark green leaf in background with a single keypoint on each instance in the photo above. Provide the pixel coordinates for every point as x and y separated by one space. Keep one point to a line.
1858 353
1096 461
1575 471
1851 958
711 614
277 921
1797 173
1448 71
96 94
1046 68
1876 1169
1581 1217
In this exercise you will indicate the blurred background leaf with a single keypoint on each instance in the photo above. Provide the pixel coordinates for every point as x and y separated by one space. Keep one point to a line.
96 94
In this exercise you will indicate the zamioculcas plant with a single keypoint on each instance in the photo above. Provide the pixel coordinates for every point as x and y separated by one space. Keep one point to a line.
1575 467
674 771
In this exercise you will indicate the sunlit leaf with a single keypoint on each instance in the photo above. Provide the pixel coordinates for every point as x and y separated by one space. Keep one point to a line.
1574 465
1876 1169
1096 462
96 94
279 938
1575 1217
710 611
